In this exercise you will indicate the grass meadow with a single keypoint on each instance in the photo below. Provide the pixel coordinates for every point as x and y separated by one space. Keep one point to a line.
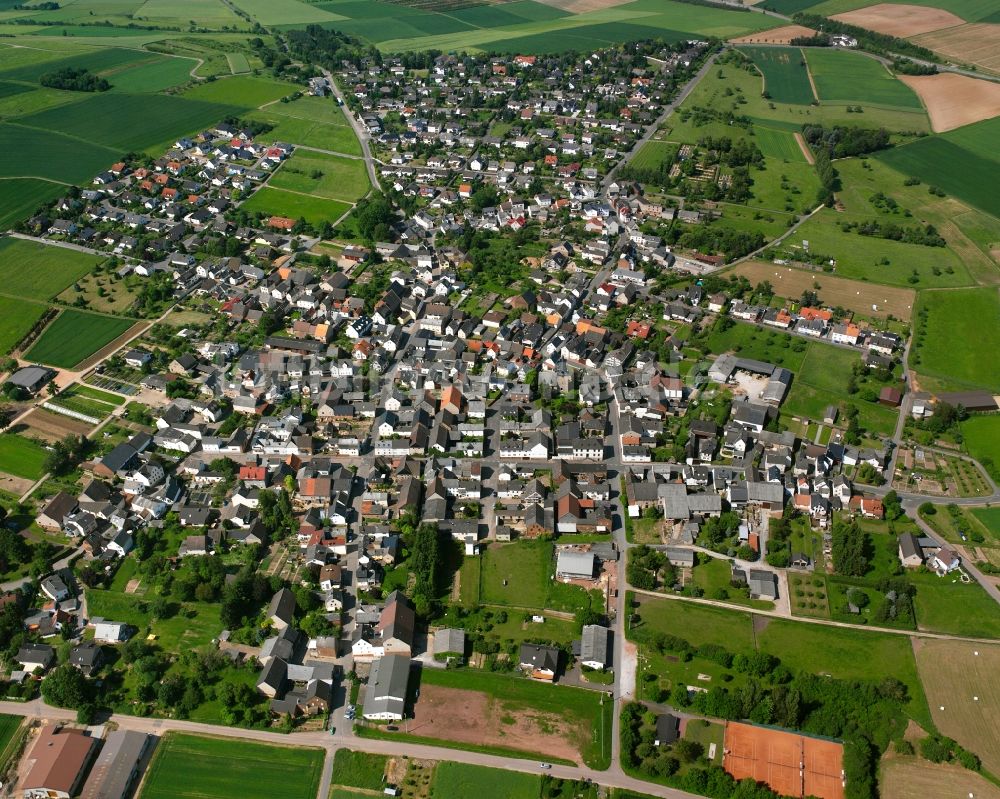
843 76
40 271
458 781
315 210
322 175
786 79
960 339
74 336
359 769
194 766
21 457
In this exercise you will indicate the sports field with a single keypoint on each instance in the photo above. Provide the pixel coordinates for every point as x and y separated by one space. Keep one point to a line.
196 767
39 271
17 317
21 456
74 336
786 79
842 76
963 693
960 337
793 765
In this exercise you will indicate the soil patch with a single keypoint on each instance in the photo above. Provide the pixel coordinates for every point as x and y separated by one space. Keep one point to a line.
14 485
977 44
900 20
855 295
782 35
955 100
456 714
53 426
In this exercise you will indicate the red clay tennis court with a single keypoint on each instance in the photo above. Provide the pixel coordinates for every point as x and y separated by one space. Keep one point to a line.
792 764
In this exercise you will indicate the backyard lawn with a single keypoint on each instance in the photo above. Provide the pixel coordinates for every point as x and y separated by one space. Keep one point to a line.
21 457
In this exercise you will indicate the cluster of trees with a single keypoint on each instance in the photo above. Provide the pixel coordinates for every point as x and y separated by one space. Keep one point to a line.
374 217
926 235
779 552
851 548
276 513
844 142
867 40
426 565
939 749
65 455
724 150
905 66
243 597
645 566
729 242
74 79
14 550
329 48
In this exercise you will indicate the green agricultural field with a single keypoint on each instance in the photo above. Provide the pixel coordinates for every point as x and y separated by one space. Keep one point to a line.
960 339
30 102
21 457
45 154
98 61
459 781
315 210
130 121
664 19
939 162
359 769
208 13
241 90
981 435
322 175
846 654
653 154
786 79
779 144
17 317
525 566
40 271
163 73
286 13
969 10
20 197
195 767
75 336
843 76
9 725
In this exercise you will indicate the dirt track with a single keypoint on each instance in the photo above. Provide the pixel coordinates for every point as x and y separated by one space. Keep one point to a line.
955 100
900 20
